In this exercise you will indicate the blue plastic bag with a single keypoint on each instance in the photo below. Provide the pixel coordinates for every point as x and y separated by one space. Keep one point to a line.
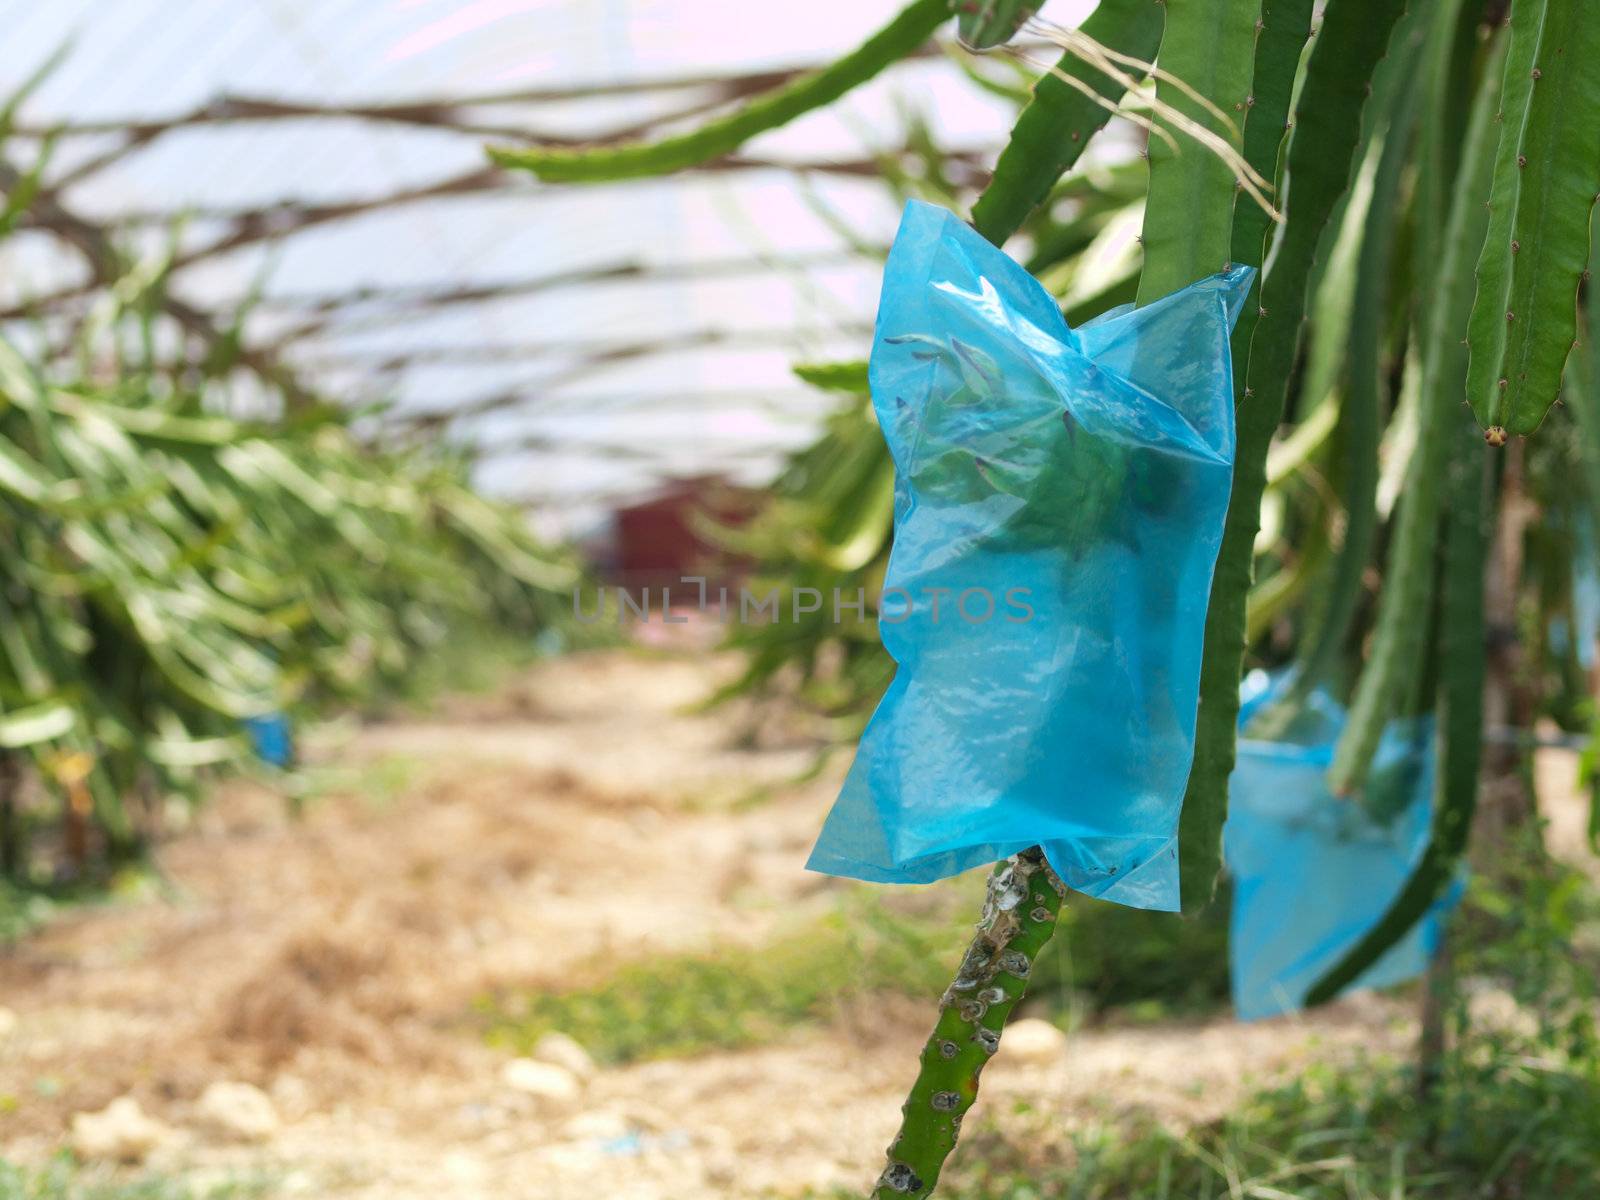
1313 872
1058 509
271 739
1585 592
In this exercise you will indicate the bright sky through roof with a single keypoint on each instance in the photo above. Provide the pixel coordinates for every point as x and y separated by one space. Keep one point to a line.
702 407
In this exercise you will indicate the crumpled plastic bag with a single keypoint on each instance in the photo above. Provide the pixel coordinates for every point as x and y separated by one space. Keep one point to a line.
1312 872
271 738
1059 500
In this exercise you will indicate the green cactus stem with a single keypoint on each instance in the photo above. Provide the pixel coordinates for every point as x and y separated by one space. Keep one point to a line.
1019 915
1320 157
1398 642
902 36
1207 56
1055 127
1546 179
985 24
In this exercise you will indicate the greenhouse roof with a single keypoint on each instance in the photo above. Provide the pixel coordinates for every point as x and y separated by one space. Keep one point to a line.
586 341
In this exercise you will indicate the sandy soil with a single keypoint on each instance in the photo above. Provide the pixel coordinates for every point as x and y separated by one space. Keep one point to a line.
332 961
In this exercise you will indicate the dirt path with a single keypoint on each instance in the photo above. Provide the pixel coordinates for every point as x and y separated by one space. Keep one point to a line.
333 961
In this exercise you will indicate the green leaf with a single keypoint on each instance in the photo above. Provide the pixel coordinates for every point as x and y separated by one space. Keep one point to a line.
1405 83
1407 594
835 376
1209 46
36 723
906 33
1462 658
1321 153
984 24
1546 180
1053 130
152 422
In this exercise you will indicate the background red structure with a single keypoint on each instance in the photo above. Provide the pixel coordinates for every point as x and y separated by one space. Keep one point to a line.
656 541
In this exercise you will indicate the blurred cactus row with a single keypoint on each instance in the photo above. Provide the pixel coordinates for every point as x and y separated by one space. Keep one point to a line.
171 569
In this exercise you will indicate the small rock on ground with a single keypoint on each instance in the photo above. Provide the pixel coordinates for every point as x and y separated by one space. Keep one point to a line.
541 1080
562 1051
1032 1041
120 1132
238 1110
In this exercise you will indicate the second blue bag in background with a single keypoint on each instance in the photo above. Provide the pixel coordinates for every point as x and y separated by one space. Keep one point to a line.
1312 872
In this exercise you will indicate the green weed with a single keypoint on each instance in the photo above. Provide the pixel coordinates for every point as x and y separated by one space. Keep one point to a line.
1512 1117
1143 965
377 783
1104 957
1355 1132
62 1179
735 996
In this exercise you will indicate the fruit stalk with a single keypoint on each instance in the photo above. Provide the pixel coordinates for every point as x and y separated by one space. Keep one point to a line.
1019 916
